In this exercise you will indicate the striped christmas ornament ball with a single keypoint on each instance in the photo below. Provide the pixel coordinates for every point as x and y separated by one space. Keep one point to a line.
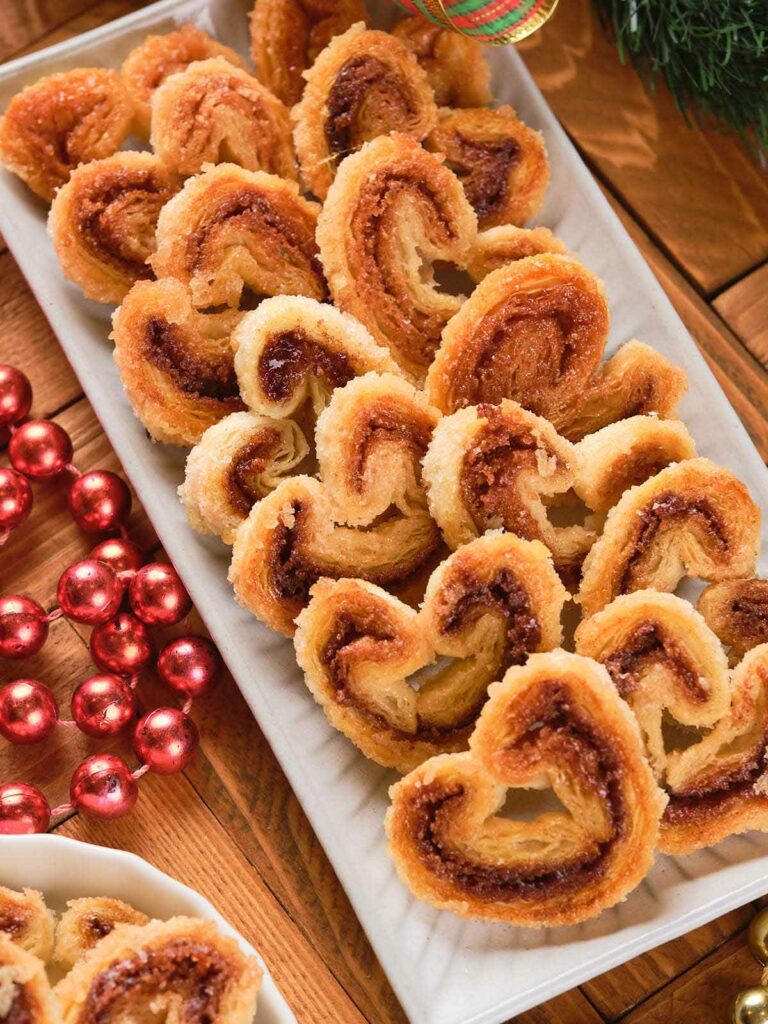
487 21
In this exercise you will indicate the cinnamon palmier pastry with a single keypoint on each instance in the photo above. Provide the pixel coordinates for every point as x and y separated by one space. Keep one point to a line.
737 611
181 969
556 722
691 519
491 466
501 162
103 222
364 84
287 36
25 994
230 229
486 607
392 211
26 920
215 112
175 363
87 921
507 244
61 121
662 657
456 68
236 462
148 65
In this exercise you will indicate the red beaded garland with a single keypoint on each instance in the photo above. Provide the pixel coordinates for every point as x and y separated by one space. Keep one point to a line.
15 498
103 785
28 711
190 665
15 395
89 592
158 596
23 810
119 554
121 645
23 626
166 740
99 500
103 705
40 449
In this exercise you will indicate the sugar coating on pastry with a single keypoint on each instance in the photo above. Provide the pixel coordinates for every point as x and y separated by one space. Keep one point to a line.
500 161
486 607
455 65
365 83
214 112
103 220
25 993
237 462
63 120
87 921
507 243
287 36
26 920
182 969
231 229
557 722
692 519
737 611
148 65
175 363
393 211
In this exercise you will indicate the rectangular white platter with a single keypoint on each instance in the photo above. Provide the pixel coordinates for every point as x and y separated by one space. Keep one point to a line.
444 971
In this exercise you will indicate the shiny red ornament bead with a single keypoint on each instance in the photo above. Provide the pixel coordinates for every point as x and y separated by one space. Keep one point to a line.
103 785
15 395
190 665
89 592
23 626
24 810
15 498
119 554
40 449
28 711
99 500
166 740
103 705
121 645
158 596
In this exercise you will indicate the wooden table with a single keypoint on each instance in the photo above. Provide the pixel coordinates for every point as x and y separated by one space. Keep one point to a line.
230 826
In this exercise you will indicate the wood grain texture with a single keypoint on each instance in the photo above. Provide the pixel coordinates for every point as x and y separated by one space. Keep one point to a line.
744 307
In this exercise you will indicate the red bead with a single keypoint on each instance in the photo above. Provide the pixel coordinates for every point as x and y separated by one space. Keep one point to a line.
103 785
15 395
190 665
166 740
40 449
28 711
99 500
119 554
23 810
103 705
89 592
23 626
158 596
121 646
15 498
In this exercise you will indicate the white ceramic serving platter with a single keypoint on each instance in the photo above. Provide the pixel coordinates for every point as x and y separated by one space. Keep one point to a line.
444 970
65 869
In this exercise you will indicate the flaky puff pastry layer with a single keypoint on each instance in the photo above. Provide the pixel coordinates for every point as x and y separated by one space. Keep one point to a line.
507 244
26 920
63 120
737 611
87 921
456 68
184 969
500 161
230 229
25 993
103 221
365 83
236 463
486 607
149 64
287 36
176 364
557 723
691 519
393 211
214 112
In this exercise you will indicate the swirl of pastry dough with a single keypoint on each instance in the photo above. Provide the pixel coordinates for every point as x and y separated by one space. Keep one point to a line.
61 121
501 162
456 68
25 993
692 519
486 607
491 466
87 921
175 363
103 222
287 36
230 229
26 920
236 462
182 969
214 112
507 244
737 611
555 722
148 65
392 211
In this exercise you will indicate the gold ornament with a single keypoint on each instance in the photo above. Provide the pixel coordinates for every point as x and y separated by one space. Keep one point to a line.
758 937
751 1006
